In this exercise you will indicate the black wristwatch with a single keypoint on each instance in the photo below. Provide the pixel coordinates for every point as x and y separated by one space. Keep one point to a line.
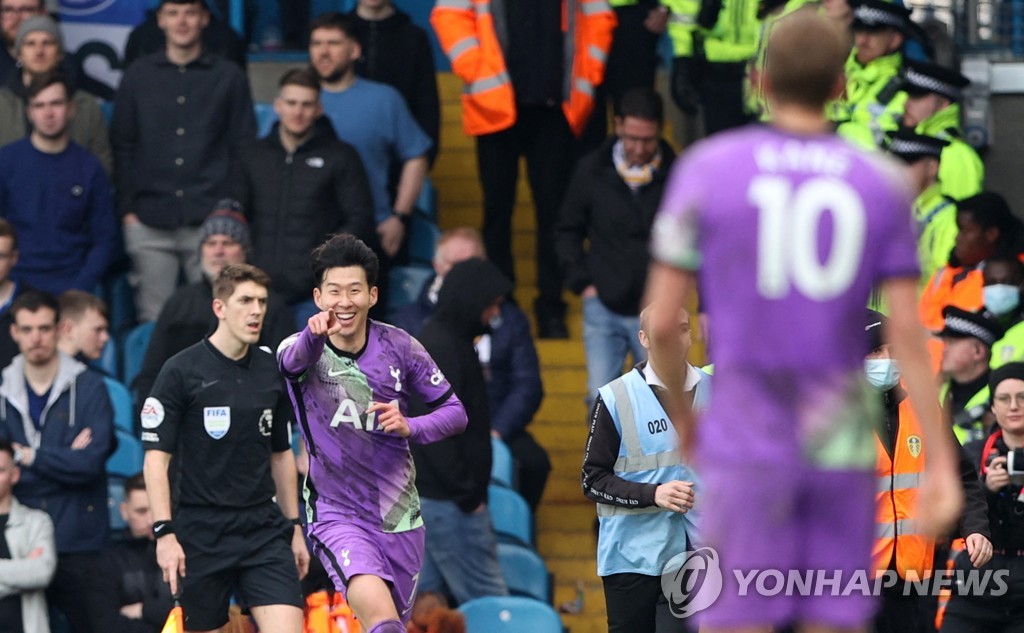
404 217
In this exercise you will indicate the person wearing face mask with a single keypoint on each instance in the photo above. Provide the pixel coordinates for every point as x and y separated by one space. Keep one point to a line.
1004 277
900 464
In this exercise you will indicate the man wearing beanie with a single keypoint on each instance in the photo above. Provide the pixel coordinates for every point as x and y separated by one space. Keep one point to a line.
181 117
39 49
12 14
186 317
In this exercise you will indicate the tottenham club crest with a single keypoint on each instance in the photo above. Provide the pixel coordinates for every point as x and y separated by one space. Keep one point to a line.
914 445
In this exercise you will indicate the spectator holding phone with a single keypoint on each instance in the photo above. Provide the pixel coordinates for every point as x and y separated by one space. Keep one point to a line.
1002 471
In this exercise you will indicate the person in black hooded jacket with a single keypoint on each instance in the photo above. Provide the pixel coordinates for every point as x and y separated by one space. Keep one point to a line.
452 475
299 185
397 52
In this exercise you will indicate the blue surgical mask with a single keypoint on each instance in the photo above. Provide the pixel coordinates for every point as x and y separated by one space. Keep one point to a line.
1001 299
882 373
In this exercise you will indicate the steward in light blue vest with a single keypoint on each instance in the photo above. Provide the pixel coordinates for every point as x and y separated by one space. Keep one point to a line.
642 539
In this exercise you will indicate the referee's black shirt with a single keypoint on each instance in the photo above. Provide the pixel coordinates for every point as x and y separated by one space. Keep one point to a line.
221 419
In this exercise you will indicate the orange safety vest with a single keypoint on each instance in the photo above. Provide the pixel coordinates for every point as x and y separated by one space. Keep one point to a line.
899 478
466 30
960 287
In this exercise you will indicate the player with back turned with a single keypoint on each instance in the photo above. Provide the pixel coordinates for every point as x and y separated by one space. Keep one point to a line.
787 229
220 409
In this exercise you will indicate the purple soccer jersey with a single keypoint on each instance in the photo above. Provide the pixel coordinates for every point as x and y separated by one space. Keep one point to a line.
356 470
788 234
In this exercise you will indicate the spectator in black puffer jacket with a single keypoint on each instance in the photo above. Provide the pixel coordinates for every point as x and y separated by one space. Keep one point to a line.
300 185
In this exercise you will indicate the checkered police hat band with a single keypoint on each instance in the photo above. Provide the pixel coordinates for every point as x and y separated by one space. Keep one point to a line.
905 147
873 16
958 324
931 84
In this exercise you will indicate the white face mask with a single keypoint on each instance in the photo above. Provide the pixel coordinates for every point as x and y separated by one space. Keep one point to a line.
882 373
1001 299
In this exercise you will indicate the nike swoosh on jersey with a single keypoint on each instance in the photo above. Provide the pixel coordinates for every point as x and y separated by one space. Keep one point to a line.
205 385
333 374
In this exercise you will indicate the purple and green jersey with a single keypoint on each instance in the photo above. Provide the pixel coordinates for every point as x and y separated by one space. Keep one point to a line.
788 235
357 471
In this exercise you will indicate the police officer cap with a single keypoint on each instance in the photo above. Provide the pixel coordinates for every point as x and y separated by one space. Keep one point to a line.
920 78
873 15
873 325
963 324
911 146
1005 372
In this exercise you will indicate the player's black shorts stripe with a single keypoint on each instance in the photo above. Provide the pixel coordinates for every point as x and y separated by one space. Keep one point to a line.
330 555
444 396
303 420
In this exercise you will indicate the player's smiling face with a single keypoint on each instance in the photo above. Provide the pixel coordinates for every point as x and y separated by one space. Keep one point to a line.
244 311
346 291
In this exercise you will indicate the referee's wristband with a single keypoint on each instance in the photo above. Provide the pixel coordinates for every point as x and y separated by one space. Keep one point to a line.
162 528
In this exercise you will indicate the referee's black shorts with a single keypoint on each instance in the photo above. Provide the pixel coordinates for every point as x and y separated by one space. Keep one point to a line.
247 551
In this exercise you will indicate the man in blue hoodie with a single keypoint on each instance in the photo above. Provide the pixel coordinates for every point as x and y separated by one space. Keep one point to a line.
56 413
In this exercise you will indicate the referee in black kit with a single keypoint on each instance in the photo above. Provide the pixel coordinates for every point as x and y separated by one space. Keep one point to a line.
220 408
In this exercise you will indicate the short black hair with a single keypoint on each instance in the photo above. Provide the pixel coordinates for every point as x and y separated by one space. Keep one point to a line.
642 103
303 77
34 301
988 210
7 230
41 82
133 483
7 447
341 251
1010 259
335 20
201 3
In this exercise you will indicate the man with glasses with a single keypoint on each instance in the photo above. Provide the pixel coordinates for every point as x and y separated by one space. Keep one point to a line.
12 14
611 203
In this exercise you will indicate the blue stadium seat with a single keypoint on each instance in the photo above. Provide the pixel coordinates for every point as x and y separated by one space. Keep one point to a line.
510 614
525 572
423 236
109 359
510 515
406 285
127 459
121 400
120 298
427 201
265 118
115 495
502 465
107 109
135 345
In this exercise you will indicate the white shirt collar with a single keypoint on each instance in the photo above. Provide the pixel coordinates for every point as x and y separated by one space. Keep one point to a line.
692 377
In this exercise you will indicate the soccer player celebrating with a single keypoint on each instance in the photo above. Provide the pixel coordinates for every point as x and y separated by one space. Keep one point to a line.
788 229
350 379
221 410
